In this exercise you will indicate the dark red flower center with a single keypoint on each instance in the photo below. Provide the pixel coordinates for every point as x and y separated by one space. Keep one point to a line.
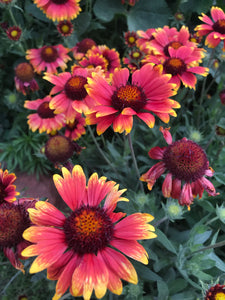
3 193
219 26
174 45
129 96
59 1
174 66
185 160
74 88
49 54
88 229
25 72
72 125
44 111
59 148
14 219
85 45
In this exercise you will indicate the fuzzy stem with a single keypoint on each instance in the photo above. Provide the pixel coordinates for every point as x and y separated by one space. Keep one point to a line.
100 150
134 161
203 90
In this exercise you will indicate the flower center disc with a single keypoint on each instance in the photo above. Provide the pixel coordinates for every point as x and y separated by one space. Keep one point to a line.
88 230
174 66
174 45
59 148
219 296
59 1
3 193
128 96
13 221
185 160
74 88
25 72
44 111
219 26
49 54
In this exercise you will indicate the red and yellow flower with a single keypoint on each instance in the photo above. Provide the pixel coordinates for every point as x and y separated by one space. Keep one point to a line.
117 102
214 28
8 191
216 292
182 64
74 130
186 162
82 47
59 10
14 33
65 28
24 78
44 120
14 219
48 57
86 250
110 55
69 92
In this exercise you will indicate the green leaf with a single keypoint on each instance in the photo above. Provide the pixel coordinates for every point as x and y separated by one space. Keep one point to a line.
82 22
106 9
161 237
163 290
36 12
148 14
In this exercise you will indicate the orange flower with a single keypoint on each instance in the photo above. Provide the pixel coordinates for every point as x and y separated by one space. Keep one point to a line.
86 249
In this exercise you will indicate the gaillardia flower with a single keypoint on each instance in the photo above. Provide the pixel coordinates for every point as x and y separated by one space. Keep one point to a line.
69 92
82 47
48 57
85 250
118 102
14 219
14 33
59 148
214 28
65 28
8 191
74 130
182 63
186 163
216 292
59 10
44 119
24 78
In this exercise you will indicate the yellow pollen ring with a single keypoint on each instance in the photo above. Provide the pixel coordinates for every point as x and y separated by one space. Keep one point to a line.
136 54
129 93
75 82
175 62
87 223
175 45
220 296
221 23
14 33
65 28
48 51
131 39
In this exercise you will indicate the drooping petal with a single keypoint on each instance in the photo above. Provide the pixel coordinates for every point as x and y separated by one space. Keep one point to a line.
135 227
132 249
167 186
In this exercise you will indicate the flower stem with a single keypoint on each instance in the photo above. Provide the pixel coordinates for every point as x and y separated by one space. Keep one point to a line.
216 245
100 150
134 160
